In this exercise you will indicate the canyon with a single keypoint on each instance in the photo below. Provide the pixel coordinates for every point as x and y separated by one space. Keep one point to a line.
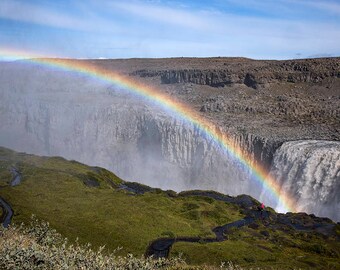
283 114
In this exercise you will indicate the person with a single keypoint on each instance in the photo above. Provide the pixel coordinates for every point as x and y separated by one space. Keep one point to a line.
261 209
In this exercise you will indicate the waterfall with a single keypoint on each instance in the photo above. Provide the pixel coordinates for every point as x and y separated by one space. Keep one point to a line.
309 170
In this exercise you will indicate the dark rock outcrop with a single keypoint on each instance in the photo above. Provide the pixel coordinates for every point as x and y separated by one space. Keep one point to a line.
260 75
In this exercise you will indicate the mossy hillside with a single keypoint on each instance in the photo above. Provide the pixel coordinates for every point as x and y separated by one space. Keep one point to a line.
55 190
65 193
260 246
5 174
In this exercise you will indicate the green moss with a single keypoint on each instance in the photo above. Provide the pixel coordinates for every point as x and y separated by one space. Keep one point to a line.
252 254
276 249
53 189
168 234
190 206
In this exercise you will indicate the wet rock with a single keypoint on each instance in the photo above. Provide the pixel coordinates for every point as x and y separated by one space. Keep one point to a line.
136 187
17 177
253 226
265 233
91 183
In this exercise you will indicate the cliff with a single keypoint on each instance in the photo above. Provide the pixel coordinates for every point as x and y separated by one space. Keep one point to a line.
261 74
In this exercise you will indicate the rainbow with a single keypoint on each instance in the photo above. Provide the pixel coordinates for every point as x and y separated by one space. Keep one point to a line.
285 201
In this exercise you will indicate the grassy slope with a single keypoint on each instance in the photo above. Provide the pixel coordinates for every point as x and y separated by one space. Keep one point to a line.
53 190
249 247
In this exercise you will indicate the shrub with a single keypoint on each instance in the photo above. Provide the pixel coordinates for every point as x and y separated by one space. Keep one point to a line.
37 246
40 247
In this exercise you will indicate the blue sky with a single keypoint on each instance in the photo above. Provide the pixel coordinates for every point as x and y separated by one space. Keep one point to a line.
260 29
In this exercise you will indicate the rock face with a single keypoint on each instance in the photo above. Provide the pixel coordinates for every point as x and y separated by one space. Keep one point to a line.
53 113
310 170
289 107
250 74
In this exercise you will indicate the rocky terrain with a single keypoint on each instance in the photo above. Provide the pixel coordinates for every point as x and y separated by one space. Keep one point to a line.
285 100
261 105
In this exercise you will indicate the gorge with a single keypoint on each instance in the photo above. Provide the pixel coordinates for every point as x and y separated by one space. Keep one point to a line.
61 113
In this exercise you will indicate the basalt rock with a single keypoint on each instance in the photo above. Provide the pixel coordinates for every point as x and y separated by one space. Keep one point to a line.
262 75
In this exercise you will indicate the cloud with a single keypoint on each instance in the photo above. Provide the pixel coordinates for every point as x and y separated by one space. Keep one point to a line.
210 23
49 16
264 6
163 28
284 7
27 12
161 14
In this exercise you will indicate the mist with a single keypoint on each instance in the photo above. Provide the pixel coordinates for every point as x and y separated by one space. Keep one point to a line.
48 112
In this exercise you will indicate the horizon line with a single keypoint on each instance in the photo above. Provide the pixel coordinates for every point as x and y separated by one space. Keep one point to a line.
166 58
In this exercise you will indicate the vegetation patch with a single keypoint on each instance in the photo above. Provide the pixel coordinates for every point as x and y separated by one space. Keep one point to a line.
53 189
37 246
248 247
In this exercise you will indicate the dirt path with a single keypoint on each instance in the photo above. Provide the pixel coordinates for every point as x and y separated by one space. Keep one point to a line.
161 247
7 215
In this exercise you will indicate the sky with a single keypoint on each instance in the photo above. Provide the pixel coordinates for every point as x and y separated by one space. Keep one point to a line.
259 29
